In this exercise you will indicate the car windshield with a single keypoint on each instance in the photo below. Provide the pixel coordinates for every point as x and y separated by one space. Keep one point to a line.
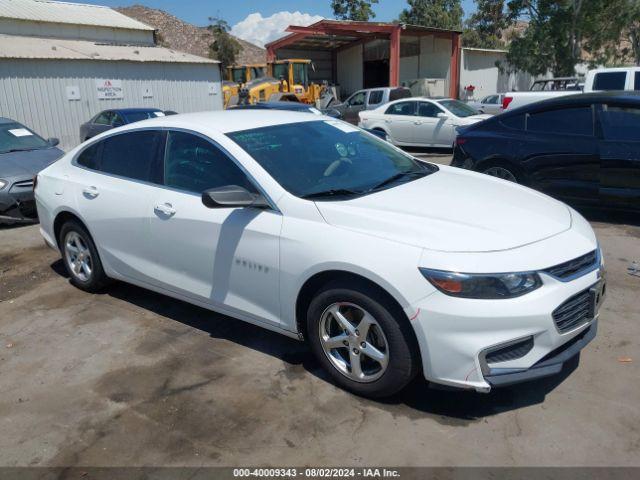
16 138
458 108
137 116
328 158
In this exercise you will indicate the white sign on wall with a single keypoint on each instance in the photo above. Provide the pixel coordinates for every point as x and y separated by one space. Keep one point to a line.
147 92
109 89
212 88
73 92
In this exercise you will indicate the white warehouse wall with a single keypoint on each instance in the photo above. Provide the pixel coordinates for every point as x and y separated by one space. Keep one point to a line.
350 70
479 69
434 62
34 92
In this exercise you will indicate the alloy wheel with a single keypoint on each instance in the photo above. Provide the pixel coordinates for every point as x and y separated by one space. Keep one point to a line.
78 256
354 342
501 172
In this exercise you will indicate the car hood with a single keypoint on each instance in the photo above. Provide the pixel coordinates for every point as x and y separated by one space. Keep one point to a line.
453 210
27 163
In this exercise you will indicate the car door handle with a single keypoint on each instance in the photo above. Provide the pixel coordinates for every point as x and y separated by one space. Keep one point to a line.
165 209
388 121
90 192
417 122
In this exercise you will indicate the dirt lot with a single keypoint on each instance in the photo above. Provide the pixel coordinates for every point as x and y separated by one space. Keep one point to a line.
129 377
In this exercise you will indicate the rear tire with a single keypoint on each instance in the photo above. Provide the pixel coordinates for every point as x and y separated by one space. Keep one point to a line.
378 355
80 258
502 170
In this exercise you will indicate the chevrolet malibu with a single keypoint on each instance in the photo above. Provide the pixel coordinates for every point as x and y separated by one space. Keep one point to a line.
310 227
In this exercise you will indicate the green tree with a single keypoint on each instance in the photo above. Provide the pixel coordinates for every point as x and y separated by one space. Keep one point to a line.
560 32
485 27
358 10
224 47
553 37
433 13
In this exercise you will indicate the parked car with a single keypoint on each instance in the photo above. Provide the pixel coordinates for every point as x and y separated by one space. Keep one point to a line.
290 106
491 104
583 149
368 99
309 227
23 153
109 119
421 122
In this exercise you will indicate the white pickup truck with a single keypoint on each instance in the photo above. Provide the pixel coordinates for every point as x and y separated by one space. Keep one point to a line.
623 78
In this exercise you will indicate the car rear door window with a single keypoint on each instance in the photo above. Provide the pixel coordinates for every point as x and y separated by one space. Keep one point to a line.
104 118
620 123
430 110
402 108
132 155
491 99
194 164
564 121
375 97
609 81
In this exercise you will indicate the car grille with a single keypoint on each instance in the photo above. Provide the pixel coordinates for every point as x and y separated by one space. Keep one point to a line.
575 267
510 352
574 312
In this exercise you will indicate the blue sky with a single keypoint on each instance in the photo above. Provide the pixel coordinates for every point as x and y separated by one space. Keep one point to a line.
197 11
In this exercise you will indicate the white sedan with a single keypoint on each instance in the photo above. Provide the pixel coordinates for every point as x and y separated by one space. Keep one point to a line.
420 122
307 226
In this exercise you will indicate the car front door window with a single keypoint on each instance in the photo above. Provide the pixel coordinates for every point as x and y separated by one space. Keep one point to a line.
229 257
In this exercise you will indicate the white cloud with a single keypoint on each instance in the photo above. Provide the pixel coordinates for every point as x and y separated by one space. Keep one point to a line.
260 30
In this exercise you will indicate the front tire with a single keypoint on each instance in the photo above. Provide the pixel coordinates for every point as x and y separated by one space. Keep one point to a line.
362 339
80 258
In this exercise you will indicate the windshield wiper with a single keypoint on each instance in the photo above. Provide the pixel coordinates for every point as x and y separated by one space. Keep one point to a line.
399 176
334 192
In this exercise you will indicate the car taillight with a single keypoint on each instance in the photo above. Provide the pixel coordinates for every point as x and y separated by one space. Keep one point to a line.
506 101
460 141
35 182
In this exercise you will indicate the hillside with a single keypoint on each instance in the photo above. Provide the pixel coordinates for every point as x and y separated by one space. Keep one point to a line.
185 37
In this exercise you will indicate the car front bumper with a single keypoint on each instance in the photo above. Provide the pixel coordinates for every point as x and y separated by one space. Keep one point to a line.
17 201
483 344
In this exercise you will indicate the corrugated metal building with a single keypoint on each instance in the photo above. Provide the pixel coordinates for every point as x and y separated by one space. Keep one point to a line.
61 63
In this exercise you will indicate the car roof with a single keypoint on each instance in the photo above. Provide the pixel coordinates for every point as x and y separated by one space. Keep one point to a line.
226 121
581 99
133 110
275 106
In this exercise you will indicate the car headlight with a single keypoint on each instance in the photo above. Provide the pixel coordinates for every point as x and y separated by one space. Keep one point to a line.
482 286
3 183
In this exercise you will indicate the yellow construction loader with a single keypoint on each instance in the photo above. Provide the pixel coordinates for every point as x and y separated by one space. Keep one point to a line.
239 75
286 80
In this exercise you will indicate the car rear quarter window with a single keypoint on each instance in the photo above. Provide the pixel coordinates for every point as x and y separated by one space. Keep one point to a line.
132 154
562 121
375 97
514 122
402 108
609 81
398 93
620 123
89 156
636 82
194 164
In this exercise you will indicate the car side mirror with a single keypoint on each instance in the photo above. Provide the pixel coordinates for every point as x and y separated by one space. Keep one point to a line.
232 196
443 116
53 141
